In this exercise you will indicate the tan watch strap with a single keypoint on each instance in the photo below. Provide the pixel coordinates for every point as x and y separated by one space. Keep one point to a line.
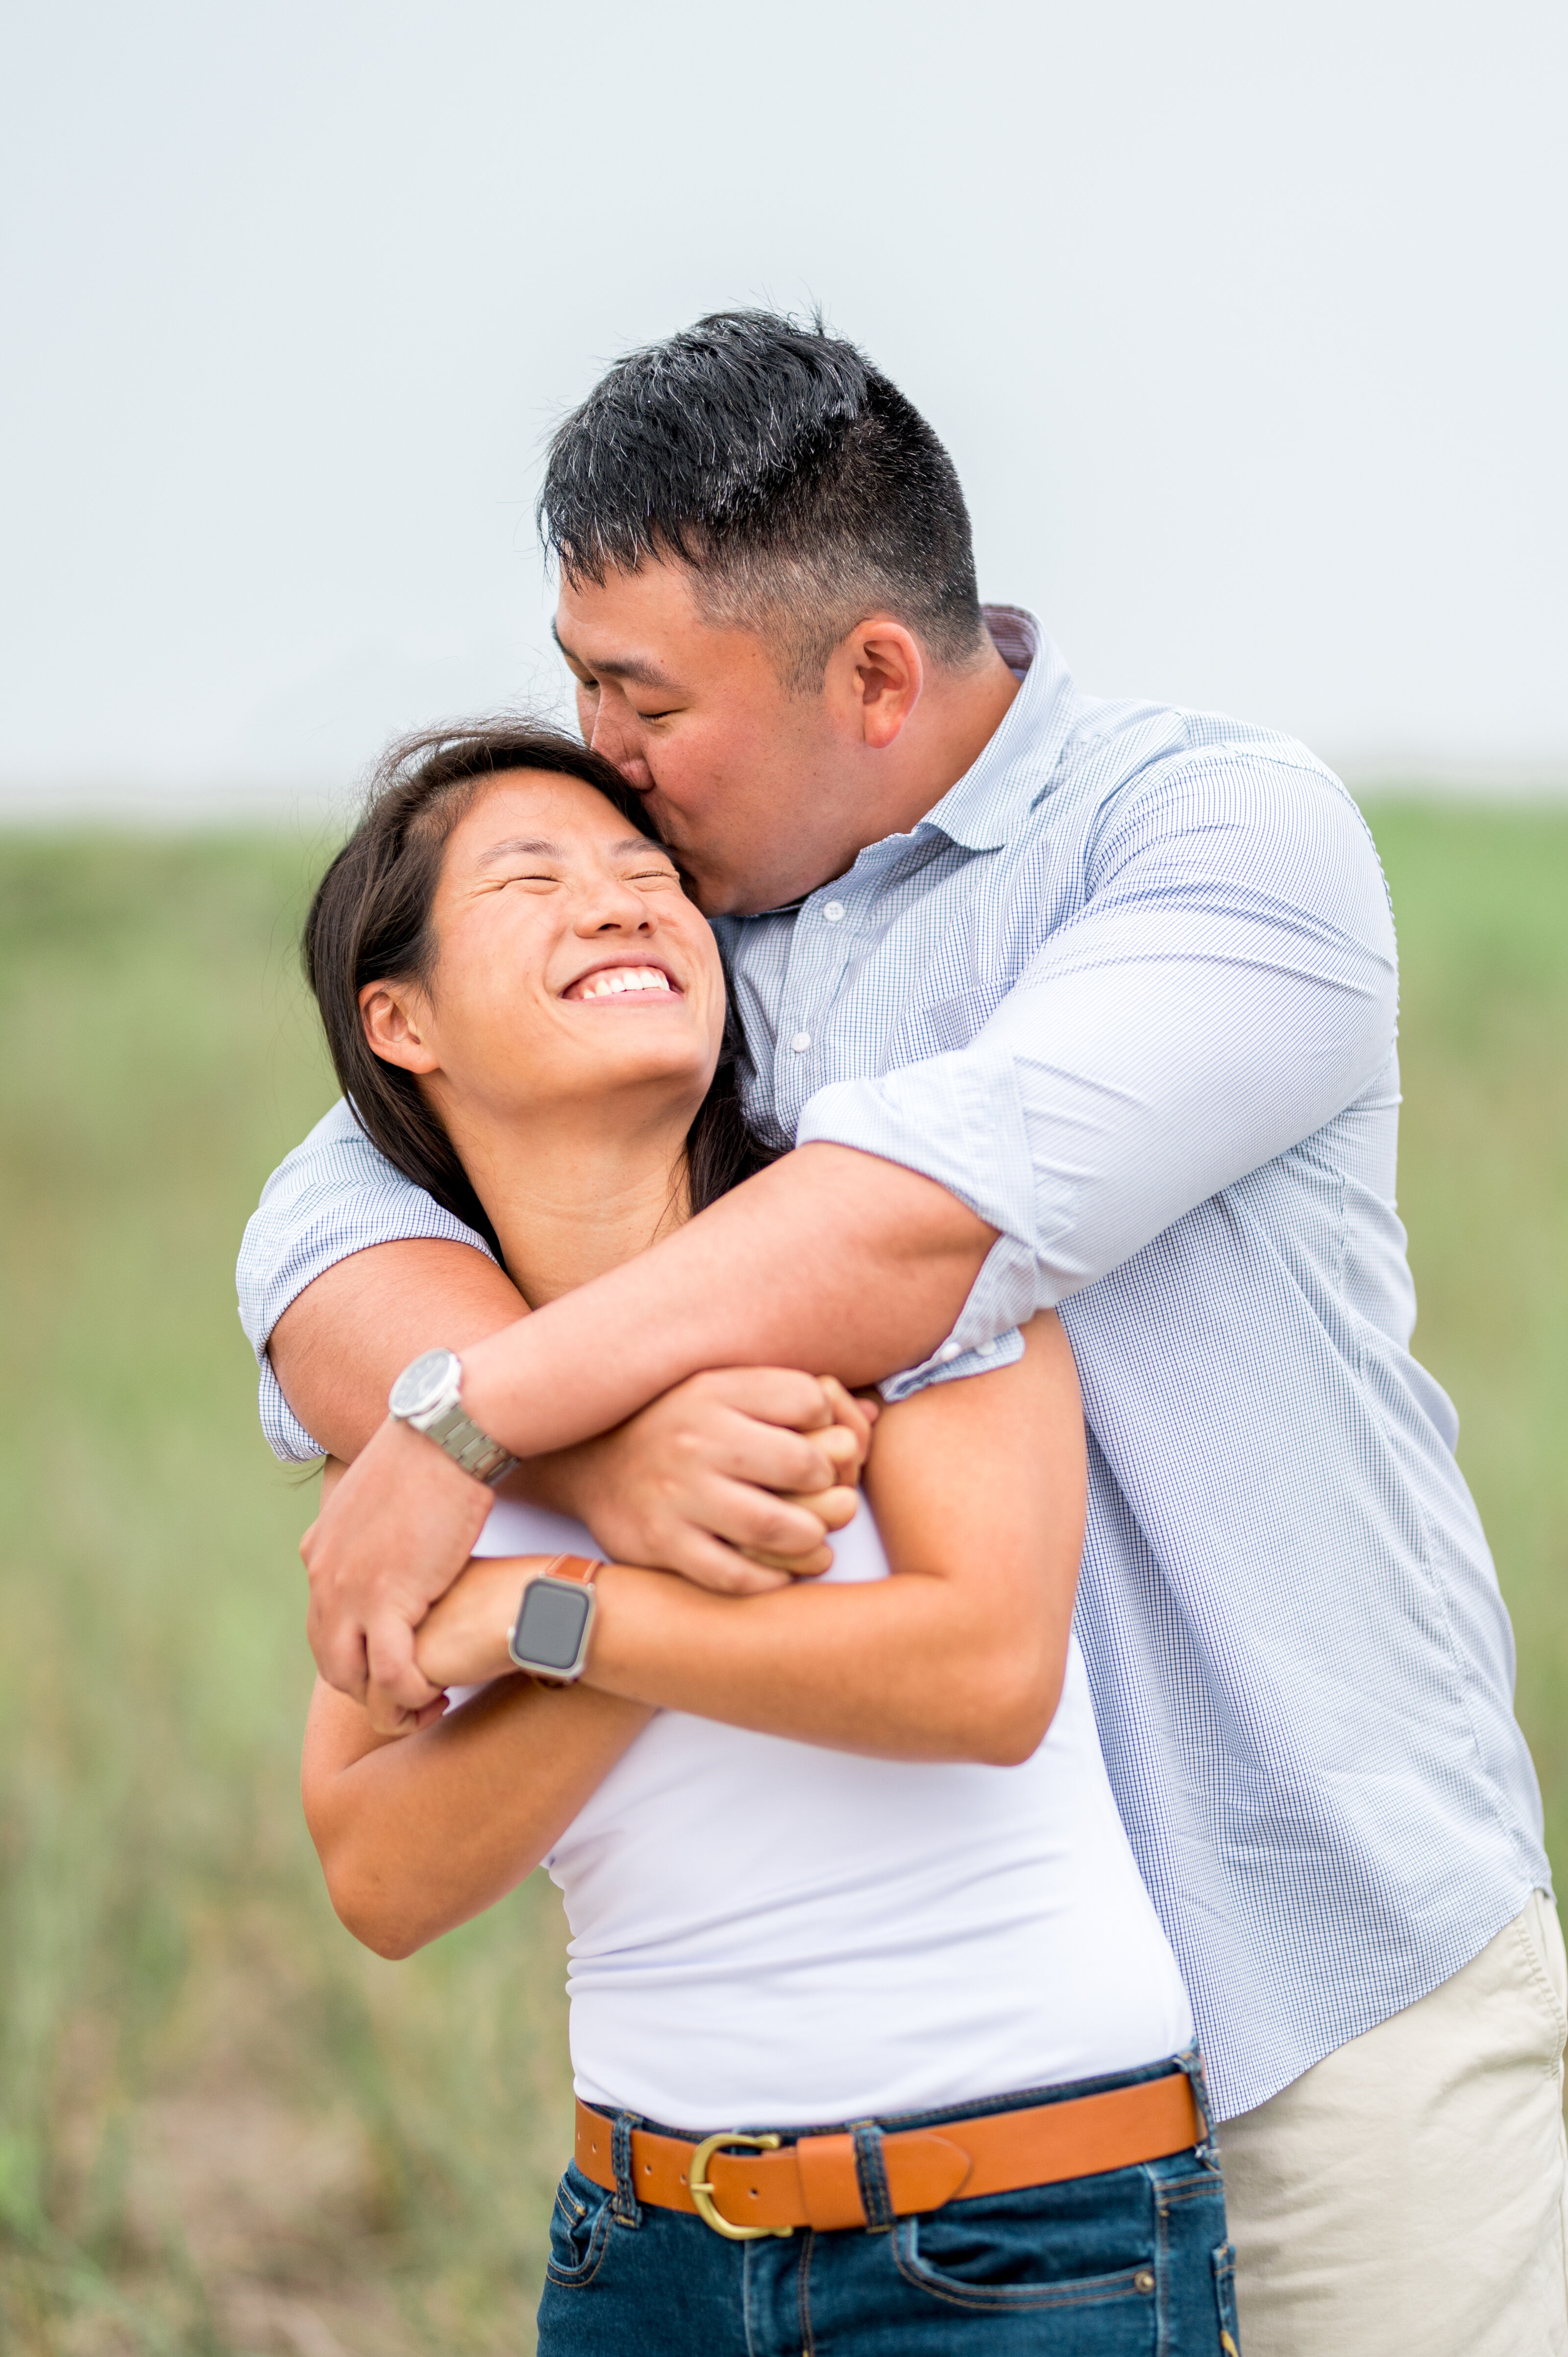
573 1566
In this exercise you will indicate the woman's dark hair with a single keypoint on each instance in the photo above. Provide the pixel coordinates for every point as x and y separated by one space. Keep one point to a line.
369 921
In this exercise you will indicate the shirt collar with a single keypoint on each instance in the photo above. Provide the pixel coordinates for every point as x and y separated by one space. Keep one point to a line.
981 811
996 794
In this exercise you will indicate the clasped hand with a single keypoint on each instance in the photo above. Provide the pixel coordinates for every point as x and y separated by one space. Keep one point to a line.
733 1478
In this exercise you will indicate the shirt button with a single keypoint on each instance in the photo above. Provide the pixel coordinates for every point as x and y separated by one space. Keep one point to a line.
948 1351
801 1042
834 911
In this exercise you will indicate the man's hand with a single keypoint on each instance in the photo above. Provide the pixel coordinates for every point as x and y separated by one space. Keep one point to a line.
463 1639
734 1478
396 1529
395 1532
846 1443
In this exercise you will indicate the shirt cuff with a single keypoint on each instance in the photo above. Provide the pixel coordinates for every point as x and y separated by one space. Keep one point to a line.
952 1359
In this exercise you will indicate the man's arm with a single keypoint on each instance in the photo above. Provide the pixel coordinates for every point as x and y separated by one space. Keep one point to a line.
795 1243
1227 986
730 1461
339 1347
978 1488
960 1655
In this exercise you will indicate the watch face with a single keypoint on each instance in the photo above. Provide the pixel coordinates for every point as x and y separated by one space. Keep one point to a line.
423 1385
551 1624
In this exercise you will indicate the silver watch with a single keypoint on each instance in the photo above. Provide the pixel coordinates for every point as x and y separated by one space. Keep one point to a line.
428 1394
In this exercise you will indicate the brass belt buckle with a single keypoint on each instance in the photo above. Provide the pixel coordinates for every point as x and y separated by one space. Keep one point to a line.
701 2192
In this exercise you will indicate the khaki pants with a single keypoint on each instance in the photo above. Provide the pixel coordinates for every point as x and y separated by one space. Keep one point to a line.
1408 2197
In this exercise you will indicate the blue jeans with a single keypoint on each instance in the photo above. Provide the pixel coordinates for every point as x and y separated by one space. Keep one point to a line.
1130 2263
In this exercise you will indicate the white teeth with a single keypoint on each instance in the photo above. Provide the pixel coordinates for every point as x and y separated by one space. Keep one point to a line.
628 977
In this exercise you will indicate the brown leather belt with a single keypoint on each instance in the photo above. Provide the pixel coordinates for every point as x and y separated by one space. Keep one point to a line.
772 2187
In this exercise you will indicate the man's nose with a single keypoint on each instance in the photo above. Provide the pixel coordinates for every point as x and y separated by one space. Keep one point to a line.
617 739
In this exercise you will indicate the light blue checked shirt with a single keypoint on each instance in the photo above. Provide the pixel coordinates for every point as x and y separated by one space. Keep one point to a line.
1130 991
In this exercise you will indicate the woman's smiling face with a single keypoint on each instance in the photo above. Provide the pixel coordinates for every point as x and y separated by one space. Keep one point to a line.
570 964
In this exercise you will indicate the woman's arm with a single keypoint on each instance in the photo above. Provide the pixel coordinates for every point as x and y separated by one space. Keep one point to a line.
416 1834
978 1488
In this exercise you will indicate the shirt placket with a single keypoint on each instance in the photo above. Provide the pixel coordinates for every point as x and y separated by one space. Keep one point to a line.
818 952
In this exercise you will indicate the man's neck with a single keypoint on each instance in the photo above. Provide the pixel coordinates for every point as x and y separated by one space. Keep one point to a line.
888 792
960 713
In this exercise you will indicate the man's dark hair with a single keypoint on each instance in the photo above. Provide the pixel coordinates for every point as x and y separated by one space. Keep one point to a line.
369 921
799 484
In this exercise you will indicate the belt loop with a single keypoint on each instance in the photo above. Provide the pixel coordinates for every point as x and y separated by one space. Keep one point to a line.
872 2175
1191 2062
625 2208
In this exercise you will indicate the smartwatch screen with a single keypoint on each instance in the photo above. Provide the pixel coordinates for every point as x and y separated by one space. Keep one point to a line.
551 1624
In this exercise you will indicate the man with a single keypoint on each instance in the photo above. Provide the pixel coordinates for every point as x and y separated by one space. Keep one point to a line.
1062 1001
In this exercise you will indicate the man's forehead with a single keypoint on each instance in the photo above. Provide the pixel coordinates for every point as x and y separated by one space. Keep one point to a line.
615 660
647 627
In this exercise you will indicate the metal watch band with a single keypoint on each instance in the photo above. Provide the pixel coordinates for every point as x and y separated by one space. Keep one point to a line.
466 1446
428 1395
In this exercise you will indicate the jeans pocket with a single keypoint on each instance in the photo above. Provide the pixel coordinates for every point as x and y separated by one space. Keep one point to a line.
1225 2298
1009 2253
579 2230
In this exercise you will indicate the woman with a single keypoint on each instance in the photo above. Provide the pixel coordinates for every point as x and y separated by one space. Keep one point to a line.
879 2044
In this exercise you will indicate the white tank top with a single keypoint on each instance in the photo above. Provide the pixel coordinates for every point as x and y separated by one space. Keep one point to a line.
764 1932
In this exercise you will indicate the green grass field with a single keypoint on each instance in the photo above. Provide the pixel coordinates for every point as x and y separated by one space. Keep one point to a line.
223 2128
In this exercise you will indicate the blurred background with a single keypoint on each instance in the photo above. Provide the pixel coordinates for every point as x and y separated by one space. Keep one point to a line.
1246 329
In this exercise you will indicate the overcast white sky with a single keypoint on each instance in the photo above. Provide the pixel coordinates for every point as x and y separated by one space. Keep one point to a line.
1245 324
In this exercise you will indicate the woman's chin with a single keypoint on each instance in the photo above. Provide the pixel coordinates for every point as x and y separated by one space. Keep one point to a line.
628 1057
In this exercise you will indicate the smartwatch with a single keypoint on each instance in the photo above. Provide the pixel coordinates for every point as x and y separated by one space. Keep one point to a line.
555 1620
428 1394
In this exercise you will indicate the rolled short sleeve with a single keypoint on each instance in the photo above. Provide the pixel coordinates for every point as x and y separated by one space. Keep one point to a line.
334 1196
1227 987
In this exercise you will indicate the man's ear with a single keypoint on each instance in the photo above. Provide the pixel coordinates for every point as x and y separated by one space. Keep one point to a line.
391 1016
875 676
